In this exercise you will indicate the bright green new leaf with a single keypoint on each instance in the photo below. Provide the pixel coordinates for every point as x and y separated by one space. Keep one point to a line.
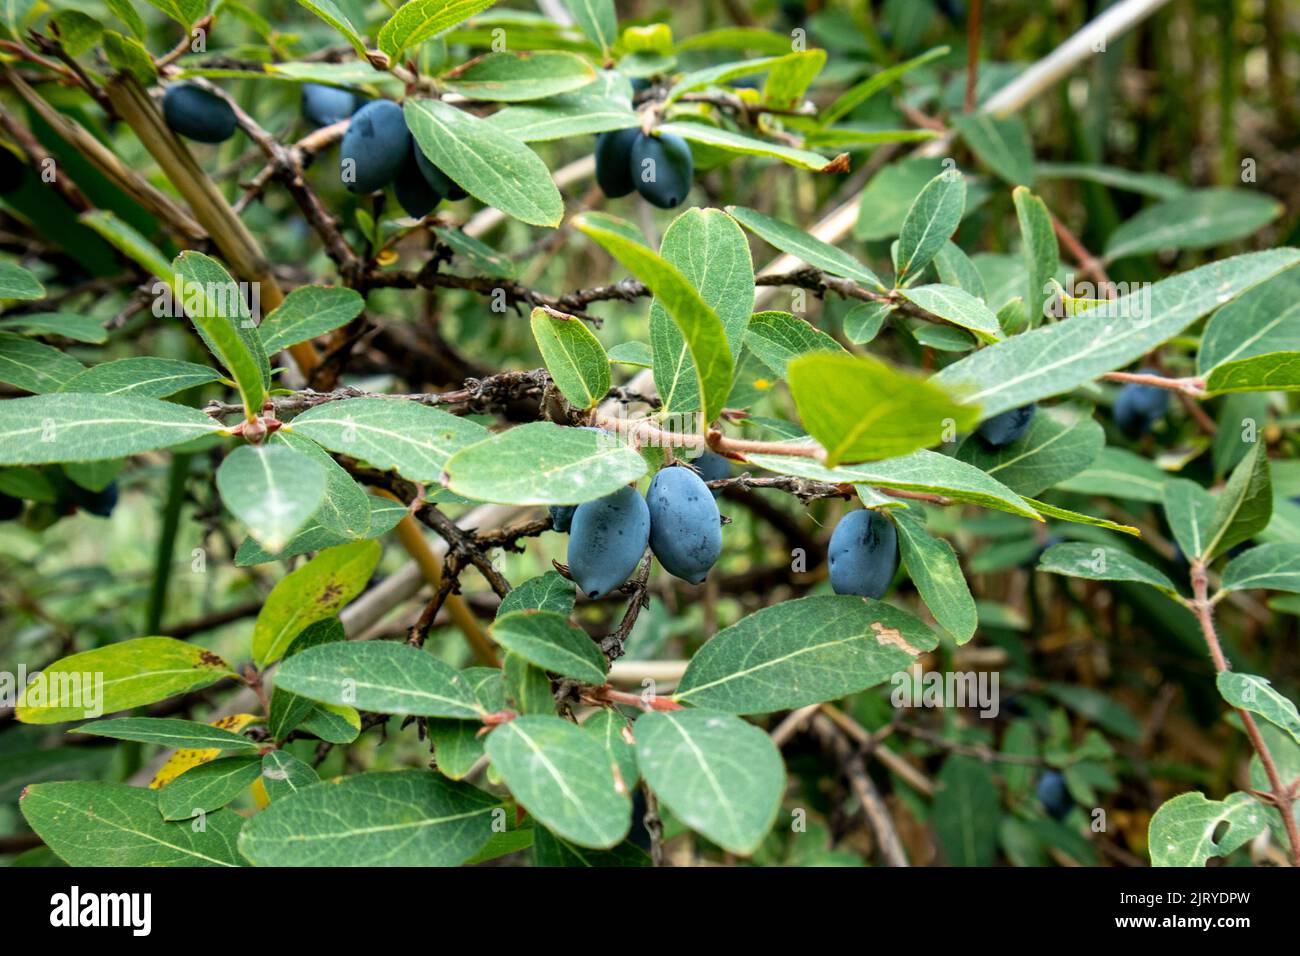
307 312
861 409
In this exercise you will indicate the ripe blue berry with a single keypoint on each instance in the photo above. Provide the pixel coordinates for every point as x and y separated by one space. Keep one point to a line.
863 554
1054 795
375 146
662 169
198 114
1005 428
327 105
614 162
607 538
685 527
1138 407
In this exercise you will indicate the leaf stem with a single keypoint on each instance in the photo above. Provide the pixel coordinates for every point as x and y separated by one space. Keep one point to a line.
1280 795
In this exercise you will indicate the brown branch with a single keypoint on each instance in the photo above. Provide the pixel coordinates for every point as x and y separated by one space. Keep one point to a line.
873 805
1281 796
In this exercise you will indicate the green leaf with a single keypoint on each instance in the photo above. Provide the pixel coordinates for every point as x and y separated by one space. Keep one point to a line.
550 851
307 312
1001 143
77 32
789 78
1196 219
563 777
718 774
402 818
546 592
527 686
128 241
1095 707
313 592
1050 451
548 640
956 306
1270 372
1039 248
391 434
1118 473
1265 319
1189 510
574 114
184 12
1273 566
925 471
712 255
596 19
542 463
858 94
862 322
490 165
1245 505
1148 184
966 812
272 489
384 516
574 357
379 676
33 366
933 567
128 55
774 659
479 256
1182 832
1057 358
215 304
288 711
732 142
1286 760
861 409
515 77
613 731
335 723
17 283
889 195
141 377
345 508
334 16
1046 510
111 824
284 774
419 20
78 328
956 268
208 787
1098 563
796 242
458 744
1257 695
931 220
134 673
169 732
777 337
724 73
64 427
